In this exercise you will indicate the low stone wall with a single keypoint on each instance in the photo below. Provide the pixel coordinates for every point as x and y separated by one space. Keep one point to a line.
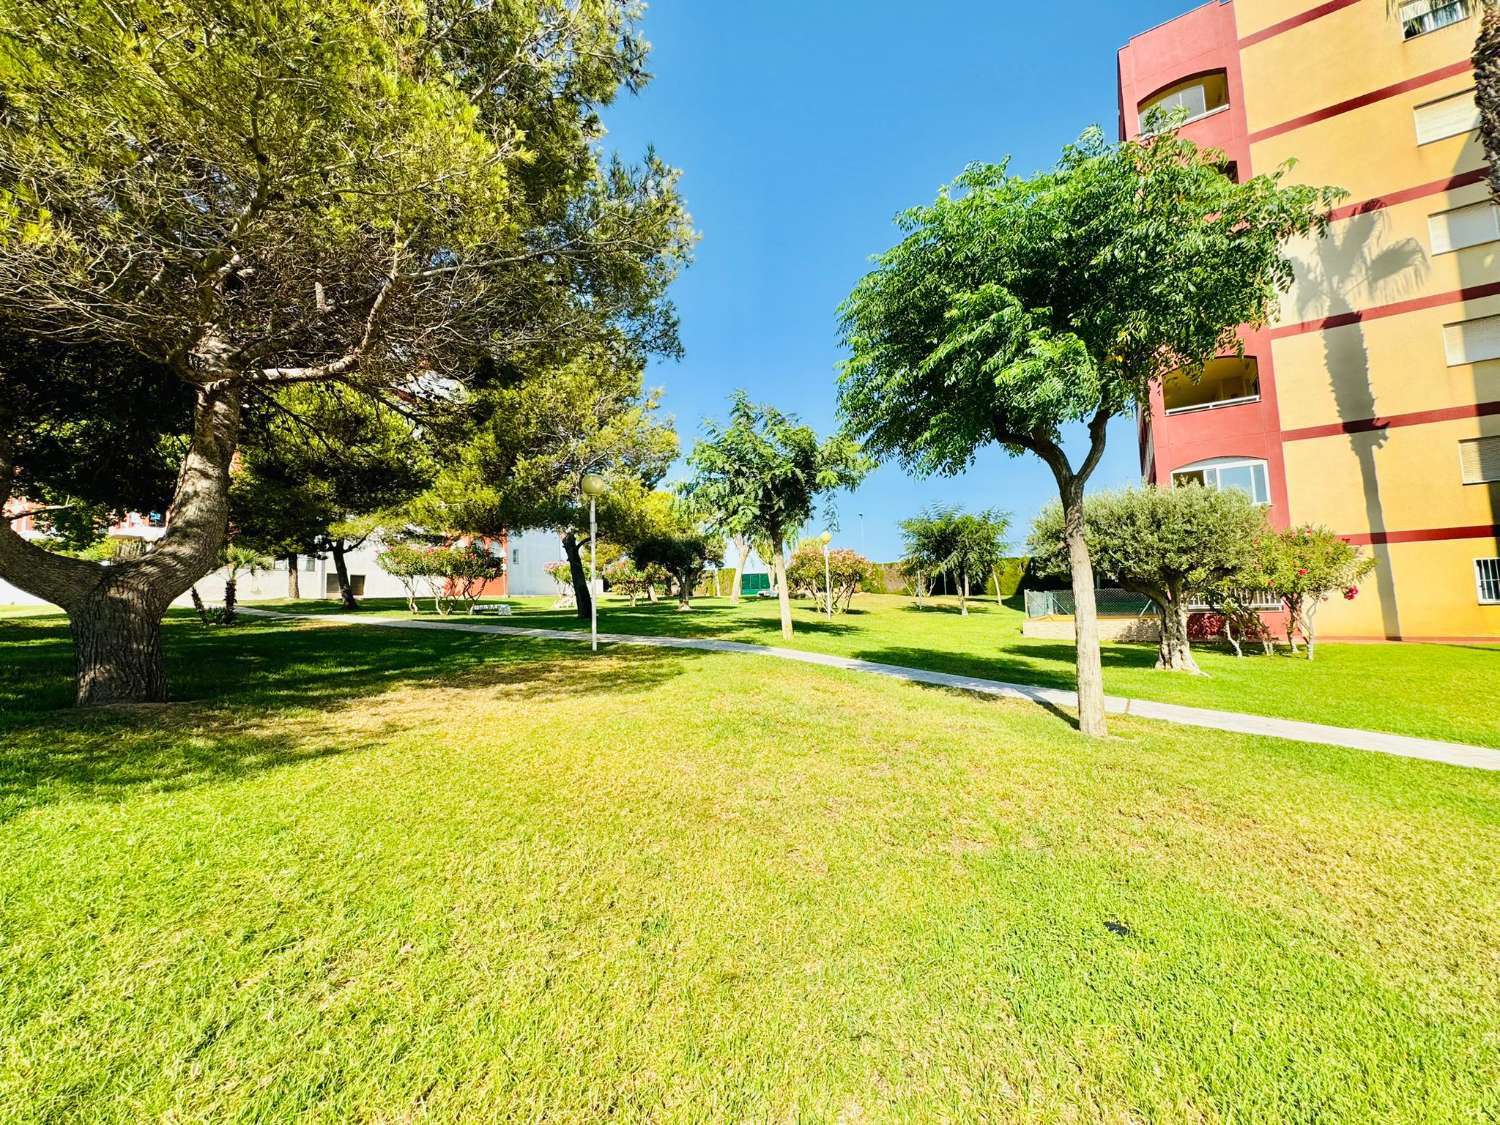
1142 630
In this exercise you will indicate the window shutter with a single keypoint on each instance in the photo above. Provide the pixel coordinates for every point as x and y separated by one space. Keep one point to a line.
1447 118
1464 226
1481 460
1472 341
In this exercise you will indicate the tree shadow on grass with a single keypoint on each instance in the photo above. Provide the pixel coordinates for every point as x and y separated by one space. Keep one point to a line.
269 694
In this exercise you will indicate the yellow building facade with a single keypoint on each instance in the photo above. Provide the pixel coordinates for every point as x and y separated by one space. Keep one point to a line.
1383 368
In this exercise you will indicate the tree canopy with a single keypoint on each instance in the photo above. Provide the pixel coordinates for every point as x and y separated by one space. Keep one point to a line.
1165 544
253 194
947 540
1016 306
765 473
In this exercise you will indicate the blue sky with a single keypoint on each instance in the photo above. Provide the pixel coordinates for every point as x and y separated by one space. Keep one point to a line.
801 130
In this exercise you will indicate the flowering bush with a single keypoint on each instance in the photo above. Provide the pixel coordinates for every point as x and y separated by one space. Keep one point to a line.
1305 566
848 571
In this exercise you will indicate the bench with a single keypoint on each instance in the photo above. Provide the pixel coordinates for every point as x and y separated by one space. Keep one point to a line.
494 608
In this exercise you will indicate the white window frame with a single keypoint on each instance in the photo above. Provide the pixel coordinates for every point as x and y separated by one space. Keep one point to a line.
1215 465
1431 6
1473 95
1462 470
1452 248
1452 344
1492 579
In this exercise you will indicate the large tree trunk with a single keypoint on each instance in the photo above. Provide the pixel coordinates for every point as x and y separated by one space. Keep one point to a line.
341 568
117 653
684 594
739 571
115 611
783 597
581 591
1487 87
1085 616
293 579
1174 651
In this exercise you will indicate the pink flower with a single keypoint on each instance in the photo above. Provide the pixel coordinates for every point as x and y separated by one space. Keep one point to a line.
1302 573
1351 593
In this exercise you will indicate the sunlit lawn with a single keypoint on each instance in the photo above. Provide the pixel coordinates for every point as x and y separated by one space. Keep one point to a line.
1449 692
359 875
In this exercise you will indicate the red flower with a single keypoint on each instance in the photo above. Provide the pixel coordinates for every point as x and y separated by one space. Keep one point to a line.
1351 593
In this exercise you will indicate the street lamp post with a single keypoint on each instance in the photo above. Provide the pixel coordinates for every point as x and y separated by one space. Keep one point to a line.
594 486
827 538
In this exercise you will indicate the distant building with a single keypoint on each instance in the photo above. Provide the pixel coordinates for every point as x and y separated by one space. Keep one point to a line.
1372 405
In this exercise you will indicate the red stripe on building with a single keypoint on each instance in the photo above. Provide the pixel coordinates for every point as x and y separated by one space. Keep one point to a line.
1435 535
1363 100
1379 312
1296 21
1437 187
1394 422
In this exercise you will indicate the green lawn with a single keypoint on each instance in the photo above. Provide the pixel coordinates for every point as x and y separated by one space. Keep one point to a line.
365 876
1449 692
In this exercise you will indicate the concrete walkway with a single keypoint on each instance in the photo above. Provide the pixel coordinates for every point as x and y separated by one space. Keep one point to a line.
1402 746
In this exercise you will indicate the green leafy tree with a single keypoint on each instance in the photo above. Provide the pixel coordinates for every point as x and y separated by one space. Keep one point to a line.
321 471
765 473
1165 544
1306 566
259 193
1487 88
519 465
946 540
1017 307
686 557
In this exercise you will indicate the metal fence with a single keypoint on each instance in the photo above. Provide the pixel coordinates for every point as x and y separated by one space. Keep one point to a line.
1122 603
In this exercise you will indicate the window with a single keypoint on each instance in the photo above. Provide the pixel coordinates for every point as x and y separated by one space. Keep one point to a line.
1208 93
1447 117
1473 225
1224 382
1228 472
356 585
1418 17
1487 579
309 563
1480 459
1472 341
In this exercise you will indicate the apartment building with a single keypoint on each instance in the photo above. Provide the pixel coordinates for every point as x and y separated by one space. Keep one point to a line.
1372 404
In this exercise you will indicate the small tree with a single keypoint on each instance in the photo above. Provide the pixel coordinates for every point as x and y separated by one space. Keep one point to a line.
469 567
764 474
946 540
1165 544
847 572
685 557
409 565
1305 566
237 560
628 580
1017 307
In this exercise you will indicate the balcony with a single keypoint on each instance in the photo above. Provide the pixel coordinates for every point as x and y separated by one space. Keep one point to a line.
1196 98
1224 383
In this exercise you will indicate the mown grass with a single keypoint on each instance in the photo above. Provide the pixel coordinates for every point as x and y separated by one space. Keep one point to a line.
1448 692
365 876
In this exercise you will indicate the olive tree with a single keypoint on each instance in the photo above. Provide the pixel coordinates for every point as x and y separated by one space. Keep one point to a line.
1165 544
1015 307
258 193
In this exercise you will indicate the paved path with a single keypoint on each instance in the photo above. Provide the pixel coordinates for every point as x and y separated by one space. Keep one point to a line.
1400 745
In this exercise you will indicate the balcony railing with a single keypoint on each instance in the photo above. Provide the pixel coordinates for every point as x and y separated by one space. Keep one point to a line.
1222 404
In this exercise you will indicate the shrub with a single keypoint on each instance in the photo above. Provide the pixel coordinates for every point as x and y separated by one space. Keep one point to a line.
1306 566
848 571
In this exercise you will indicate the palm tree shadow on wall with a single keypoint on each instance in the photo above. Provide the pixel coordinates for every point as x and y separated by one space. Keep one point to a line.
1343 273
